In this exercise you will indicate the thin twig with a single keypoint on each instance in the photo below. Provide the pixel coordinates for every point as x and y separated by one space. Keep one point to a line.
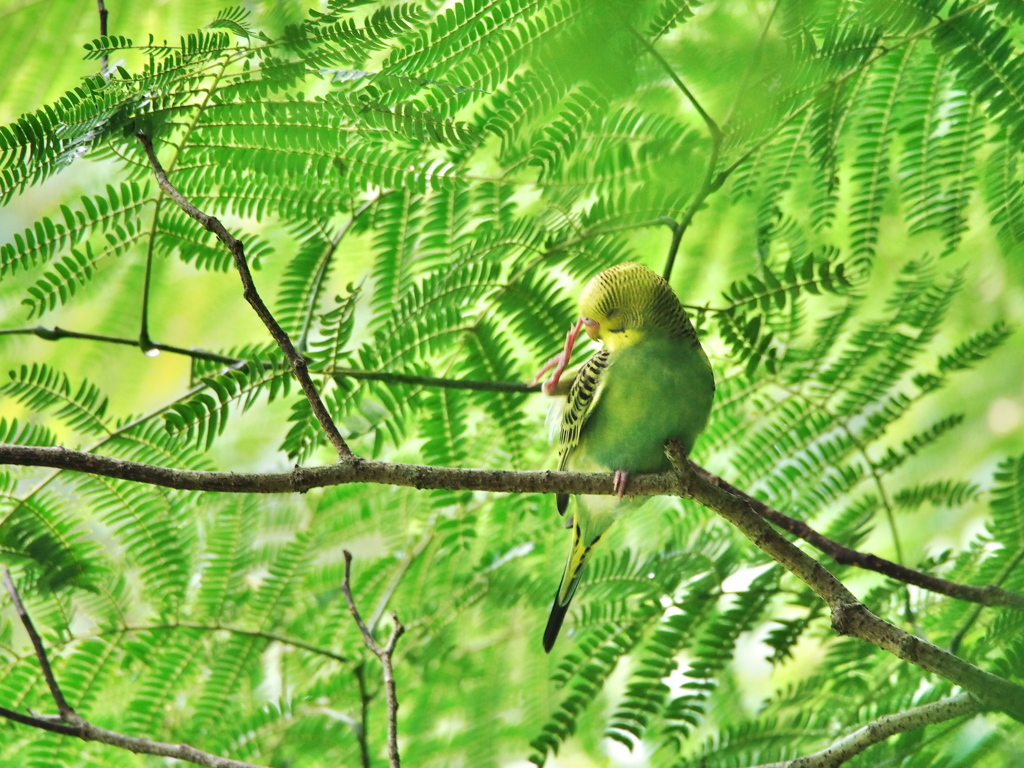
67 714
713 128
890 516
754 62
988 595
364 710
849 615
57 333
958 638
1008 568
237 250
89 732
103 33
403 568
325 261
384 654
879 730
42 723
673 249
270 637
72 724
145 343
707 185
439 382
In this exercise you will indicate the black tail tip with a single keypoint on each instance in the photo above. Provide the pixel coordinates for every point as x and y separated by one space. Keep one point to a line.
554 625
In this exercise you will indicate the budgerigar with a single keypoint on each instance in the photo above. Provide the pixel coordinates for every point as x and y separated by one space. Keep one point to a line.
650 382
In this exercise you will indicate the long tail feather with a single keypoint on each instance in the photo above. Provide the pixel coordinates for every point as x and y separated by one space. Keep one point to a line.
554 624
578 557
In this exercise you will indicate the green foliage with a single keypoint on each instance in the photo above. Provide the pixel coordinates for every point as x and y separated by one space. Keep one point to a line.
203 415
424 188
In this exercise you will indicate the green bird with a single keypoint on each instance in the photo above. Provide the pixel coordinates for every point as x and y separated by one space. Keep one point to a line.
648 383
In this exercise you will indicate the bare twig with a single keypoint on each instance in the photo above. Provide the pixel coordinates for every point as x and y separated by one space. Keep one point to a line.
849 616
324 265
988 595
237 250
89 732
67 714
403 569
364 711
673 249
270 637
708 183
881 729
57 333
103 33
1009 567
384 654
72 724
754 63
713 129
958 638
357 470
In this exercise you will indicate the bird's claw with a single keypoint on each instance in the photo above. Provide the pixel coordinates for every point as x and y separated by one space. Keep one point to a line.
559 362
619 482
549 385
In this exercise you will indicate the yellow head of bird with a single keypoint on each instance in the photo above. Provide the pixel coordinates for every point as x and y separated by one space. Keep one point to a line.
627 302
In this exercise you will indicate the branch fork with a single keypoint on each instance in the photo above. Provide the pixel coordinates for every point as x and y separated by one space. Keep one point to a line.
69 723
384 654
297 361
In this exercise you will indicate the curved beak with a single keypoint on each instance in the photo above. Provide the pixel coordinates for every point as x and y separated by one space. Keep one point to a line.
592 327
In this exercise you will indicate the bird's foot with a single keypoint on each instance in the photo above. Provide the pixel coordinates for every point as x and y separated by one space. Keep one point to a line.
559 362
554 361
619 483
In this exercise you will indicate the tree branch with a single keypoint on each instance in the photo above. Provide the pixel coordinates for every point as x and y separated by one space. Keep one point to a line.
355 470
881 729
358 470
849 616
237 250
68 723
403 569
384 654
673 248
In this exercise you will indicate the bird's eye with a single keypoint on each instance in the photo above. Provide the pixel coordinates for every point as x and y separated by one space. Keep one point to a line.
617 330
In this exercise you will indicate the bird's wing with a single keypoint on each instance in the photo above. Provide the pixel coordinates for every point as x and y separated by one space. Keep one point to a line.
584 395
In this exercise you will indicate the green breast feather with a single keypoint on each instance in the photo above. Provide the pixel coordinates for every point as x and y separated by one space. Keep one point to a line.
658 390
